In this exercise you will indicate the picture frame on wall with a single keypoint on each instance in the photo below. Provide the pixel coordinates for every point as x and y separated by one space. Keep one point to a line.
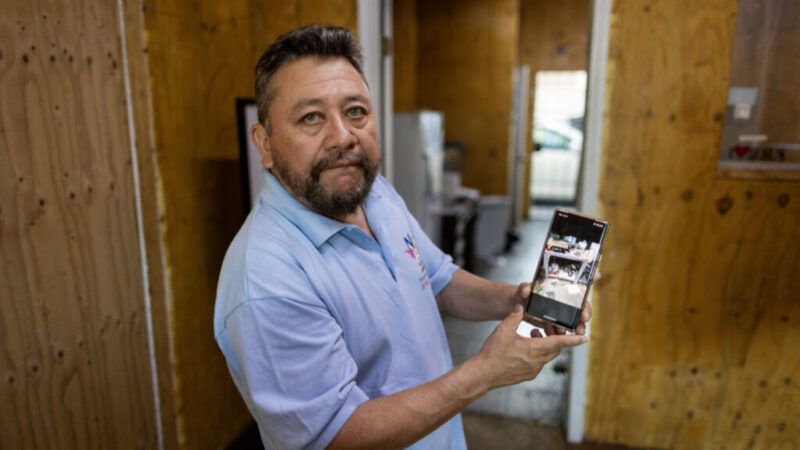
250 167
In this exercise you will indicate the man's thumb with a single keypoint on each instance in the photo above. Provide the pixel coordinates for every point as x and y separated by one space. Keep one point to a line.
513 319
560 342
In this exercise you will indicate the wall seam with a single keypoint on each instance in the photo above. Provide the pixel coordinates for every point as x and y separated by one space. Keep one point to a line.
588 192
140 222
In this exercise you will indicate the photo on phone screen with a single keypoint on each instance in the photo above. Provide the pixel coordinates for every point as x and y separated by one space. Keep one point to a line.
566 267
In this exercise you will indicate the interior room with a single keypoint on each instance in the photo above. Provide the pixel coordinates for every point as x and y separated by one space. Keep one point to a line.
129 162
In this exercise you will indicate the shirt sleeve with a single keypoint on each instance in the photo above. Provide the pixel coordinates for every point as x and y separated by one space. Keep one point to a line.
294 371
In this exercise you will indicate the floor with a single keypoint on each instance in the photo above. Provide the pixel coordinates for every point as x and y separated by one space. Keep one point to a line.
483 432
486 432
543 399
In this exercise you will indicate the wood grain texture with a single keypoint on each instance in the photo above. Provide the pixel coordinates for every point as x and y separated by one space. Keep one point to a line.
553 36
467 53
75 364
405 52
697 323
201 57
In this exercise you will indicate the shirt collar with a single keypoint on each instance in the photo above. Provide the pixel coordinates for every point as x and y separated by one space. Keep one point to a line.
314 225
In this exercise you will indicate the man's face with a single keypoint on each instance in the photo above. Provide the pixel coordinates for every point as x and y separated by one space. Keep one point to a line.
323 146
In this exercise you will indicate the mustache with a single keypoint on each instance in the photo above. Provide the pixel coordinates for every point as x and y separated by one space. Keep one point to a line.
355 157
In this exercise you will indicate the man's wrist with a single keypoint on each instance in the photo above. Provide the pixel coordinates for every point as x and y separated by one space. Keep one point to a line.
477 375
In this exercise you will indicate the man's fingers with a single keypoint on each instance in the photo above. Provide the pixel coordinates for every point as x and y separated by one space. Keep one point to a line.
558 342
537 322
586 313
524 291
512 320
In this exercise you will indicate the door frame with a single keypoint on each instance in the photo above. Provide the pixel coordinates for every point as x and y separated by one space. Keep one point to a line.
374 19
588 187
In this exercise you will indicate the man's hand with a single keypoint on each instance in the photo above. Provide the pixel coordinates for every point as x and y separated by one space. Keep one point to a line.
507 358
524 292
520 298
469 297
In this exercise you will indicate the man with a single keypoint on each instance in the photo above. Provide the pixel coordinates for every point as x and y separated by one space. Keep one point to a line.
329 300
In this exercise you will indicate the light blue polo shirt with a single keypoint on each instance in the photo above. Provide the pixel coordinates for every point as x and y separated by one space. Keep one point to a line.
315 317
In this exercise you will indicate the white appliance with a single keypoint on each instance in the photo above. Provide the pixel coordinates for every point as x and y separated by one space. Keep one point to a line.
418 165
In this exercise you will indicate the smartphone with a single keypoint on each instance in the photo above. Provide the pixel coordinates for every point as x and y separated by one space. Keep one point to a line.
566 268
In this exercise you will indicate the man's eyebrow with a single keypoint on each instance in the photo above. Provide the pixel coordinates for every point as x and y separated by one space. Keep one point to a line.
304 102
356 98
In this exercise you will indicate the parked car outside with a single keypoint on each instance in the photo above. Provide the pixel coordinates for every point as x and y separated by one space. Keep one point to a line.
556 162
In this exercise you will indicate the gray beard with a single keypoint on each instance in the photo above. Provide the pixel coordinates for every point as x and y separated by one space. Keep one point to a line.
310 191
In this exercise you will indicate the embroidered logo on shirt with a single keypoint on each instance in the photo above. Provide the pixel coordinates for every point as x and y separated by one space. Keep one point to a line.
413 252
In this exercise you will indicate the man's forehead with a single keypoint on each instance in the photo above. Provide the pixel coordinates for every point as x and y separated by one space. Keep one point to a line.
298 79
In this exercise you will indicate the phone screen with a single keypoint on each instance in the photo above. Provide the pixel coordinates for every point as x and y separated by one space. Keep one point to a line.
566 267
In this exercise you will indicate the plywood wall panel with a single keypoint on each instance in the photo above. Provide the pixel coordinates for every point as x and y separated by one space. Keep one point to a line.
201 57
554 35
471 83
696 321
75 362
405 52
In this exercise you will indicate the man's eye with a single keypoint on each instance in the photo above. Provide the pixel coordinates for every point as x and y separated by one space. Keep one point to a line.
311 118
356 112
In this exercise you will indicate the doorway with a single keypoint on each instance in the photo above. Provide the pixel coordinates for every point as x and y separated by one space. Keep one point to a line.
558 116
468 80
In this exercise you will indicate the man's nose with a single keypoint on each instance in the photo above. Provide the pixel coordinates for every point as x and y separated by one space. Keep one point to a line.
339 133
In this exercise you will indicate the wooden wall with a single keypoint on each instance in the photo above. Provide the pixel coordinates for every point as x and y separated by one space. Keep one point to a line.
697 319
75 364
405 53
467 51
553 36
201 57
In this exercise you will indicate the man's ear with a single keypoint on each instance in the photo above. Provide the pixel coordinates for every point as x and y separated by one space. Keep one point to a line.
261 139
